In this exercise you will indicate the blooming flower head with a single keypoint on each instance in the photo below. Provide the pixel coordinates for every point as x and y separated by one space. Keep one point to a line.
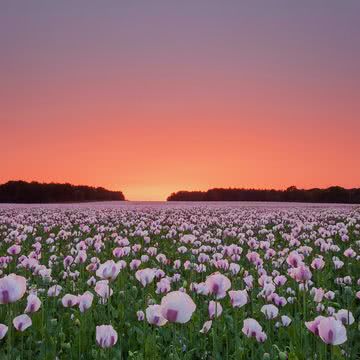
103 289
70 300
12 288
218 285
270 311
33 304
215 309
238 298
54 290
294 259
318 294
106 336
301 273
22 322
206 327
85 301
285 320
14 250
318 264
109 270
140 315
154 315
134 264
145 276
177 306
345 316
163 286
252 328
3 331
313 325
280 280
332 331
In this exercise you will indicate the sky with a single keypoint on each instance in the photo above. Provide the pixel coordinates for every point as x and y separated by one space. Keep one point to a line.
151 97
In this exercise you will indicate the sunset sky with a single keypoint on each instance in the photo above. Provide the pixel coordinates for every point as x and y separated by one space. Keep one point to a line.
150 97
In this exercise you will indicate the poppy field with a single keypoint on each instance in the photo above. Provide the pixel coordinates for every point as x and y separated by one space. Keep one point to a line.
180 282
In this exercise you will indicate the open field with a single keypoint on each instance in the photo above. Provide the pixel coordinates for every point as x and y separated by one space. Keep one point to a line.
179 281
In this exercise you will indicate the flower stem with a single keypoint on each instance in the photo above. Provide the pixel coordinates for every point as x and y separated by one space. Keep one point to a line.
9 334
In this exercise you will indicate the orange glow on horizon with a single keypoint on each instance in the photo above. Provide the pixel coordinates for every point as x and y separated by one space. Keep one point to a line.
150 161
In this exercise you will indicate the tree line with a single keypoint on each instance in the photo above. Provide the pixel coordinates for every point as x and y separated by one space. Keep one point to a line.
333 194
35 192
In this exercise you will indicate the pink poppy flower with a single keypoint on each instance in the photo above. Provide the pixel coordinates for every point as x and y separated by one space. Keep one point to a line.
161 258
330 295
279 300
106 336
54 290
145 276
261 337
81 257
3 331
313 325
234 268
270 311
118 252
68 261
318 264
22 322
163 286
268 290
285 320
12 288
350 253
33 304
200 288
134 264
294 259
238 298
214 307
345 316
177 306
108 271
154 315
140 315
103 289
85 301
218 285
252 328
301 273
318 294
14 250
70 300
206 327
332 331
280 280
248 280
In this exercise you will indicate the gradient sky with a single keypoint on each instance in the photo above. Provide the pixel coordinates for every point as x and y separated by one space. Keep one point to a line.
150 97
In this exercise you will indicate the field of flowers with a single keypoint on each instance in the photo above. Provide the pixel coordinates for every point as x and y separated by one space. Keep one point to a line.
180 282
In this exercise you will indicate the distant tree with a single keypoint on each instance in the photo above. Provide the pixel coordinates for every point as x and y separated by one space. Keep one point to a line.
334 194
34 192
291 188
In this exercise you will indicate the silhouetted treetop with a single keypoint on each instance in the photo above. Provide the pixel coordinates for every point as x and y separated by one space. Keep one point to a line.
334 194
34 192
